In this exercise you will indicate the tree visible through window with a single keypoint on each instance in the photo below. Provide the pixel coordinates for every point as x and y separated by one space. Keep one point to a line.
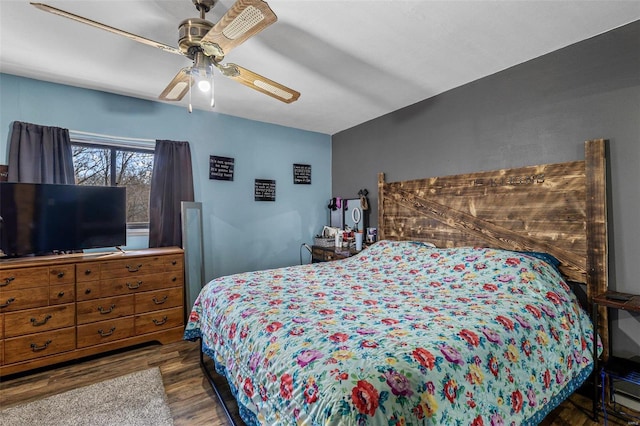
105 165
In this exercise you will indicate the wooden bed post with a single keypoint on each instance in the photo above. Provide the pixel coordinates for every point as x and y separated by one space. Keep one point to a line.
380 206
597 240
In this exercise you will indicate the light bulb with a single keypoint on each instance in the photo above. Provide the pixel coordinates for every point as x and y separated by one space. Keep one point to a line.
204 85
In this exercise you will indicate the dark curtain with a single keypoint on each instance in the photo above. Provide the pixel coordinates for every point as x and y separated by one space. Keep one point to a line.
40 154
171 183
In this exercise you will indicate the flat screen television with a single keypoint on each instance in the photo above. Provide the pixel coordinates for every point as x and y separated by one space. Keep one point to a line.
38 219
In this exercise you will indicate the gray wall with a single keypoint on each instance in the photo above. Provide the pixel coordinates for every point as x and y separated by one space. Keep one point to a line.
535 113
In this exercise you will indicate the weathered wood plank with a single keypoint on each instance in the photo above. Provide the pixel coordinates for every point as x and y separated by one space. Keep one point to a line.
597 252
545 178
430 229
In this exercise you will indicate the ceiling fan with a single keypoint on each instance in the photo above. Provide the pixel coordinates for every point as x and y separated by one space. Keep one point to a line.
207 44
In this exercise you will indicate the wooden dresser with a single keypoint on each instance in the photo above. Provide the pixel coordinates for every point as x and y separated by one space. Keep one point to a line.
61 308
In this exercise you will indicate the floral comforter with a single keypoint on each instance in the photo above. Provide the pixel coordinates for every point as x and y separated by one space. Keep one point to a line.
401 334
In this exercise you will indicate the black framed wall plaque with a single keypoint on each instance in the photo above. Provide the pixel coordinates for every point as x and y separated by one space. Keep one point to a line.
302 174
265 190
221 168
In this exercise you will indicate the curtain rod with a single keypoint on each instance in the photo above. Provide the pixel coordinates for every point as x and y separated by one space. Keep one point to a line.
120 138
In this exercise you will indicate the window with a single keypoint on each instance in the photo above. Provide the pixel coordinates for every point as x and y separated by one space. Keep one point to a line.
104 164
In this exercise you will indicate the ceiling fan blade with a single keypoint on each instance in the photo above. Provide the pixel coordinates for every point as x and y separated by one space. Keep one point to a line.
178 87
259 83
113 30
245 19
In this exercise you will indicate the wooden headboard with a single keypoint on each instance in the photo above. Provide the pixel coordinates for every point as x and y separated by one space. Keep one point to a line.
558 209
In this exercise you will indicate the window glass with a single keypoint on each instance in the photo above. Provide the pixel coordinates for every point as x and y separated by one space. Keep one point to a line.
104 165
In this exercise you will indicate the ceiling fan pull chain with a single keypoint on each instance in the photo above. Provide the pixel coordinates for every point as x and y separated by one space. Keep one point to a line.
213 101
190 84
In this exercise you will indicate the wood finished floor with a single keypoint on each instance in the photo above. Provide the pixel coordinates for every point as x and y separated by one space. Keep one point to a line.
191 399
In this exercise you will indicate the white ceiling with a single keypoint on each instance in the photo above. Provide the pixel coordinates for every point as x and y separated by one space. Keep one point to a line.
352 61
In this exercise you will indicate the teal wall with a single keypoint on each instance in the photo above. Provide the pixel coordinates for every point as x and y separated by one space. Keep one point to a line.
240 234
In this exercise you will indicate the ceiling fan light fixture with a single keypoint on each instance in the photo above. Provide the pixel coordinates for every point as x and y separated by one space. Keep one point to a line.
204 85
202 72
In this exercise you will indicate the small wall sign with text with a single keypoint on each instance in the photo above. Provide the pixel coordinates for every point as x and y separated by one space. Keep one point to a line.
265 190
221 168
302 174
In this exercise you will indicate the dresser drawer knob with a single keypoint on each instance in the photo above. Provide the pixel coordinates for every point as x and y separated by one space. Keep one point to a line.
36 323
134 286
162 321
87 271
61 294
174 279
7 281
134 268
106 311
8 302
106 333
60 274
87 291
174 263
36 348
160 302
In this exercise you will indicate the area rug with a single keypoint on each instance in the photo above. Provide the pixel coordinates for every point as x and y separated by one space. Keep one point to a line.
136 399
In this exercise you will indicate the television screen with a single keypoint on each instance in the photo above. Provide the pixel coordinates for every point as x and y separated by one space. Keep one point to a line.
45 218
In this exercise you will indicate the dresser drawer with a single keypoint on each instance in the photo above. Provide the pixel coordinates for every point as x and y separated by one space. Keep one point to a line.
39 320
130 285
62 293
133 267
103 309
318 254
16 279
87 290
88 272
327 254
104 331
14 300
159 320
62 274
39 345
161 299
173 262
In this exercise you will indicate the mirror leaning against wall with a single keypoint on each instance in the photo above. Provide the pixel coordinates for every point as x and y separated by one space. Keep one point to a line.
193 246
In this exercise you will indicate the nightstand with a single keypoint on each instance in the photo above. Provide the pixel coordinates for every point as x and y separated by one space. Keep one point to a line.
327 254
613 368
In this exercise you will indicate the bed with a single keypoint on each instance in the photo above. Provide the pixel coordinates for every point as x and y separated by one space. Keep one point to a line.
481 329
